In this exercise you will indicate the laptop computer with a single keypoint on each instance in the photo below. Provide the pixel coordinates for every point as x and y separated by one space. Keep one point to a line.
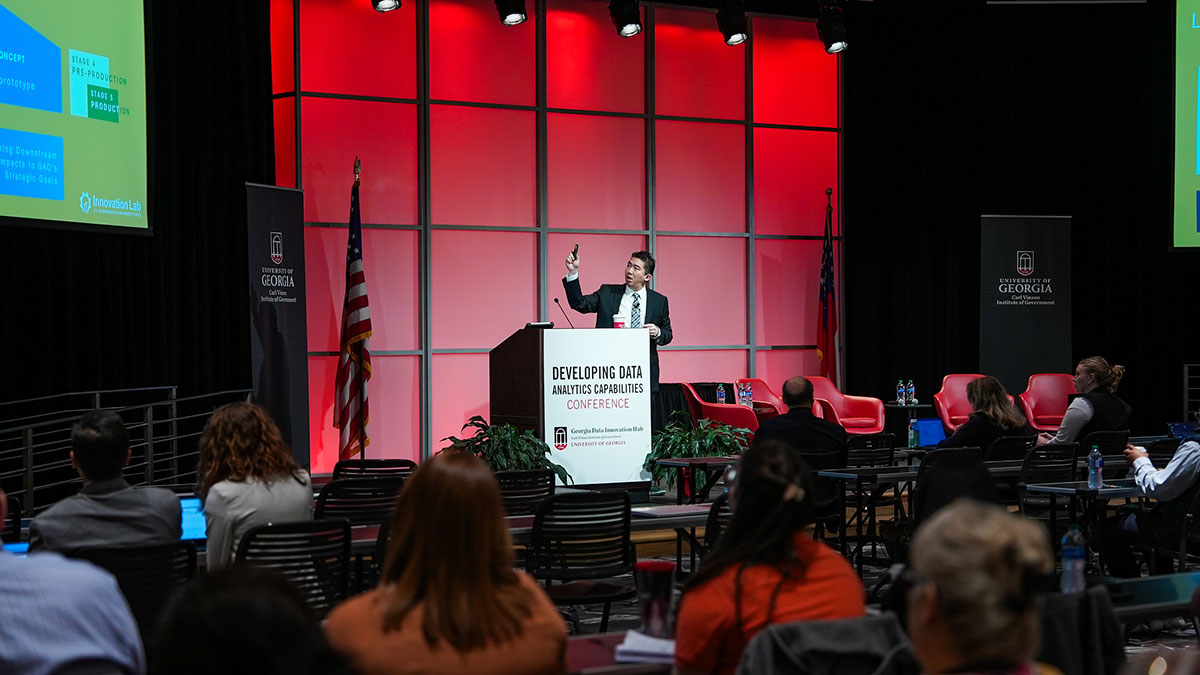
931 430
1181 429
192 513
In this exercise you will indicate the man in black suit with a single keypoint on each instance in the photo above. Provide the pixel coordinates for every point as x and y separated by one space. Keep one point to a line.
643 307
799 427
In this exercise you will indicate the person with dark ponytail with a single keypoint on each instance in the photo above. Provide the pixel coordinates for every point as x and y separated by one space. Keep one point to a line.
1097 408
765 569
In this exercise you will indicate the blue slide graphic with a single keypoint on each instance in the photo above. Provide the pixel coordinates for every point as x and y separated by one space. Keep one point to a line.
30 66
31 165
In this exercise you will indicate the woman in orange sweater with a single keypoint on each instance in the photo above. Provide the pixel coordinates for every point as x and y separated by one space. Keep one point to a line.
766 568
449 600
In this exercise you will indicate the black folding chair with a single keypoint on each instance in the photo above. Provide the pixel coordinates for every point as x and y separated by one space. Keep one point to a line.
582 540
364 502
1112 447
1162 451
1050 463
312 554
719 516
829 505
374 468
147 575
1008 447
522 491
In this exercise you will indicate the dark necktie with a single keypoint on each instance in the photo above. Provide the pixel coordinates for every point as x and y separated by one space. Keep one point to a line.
635 315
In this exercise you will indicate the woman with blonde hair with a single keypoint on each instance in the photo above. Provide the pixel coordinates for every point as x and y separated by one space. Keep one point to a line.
992 415
246 477
1097 408
972 603
449 600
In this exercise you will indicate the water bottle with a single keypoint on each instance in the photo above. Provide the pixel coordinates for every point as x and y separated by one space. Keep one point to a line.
1095 469
721 394
914 434
749 394
1073 551
900 395
910 394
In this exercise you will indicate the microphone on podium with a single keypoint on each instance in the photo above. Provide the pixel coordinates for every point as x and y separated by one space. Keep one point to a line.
564 313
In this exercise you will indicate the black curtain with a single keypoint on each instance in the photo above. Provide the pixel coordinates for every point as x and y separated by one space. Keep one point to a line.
107 310
958 109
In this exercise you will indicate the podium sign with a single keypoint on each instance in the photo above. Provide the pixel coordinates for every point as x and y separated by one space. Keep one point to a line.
596 402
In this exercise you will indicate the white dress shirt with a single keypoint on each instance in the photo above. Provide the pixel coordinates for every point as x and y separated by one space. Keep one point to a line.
1168 483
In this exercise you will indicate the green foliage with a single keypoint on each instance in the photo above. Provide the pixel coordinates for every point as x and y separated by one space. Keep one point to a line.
678 439
506 449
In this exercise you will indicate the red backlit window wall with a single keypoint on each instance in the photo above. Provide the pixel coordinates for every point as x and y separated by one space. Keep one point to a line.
476 184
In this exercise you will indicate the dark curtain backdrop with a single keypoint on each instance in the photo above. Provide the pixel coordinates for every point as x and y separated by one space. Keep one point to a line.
85 310
969 109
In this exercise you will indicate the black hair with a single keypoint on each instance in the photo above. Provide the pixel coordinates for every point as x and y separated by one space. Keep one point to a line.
241 619
100 443
647 260
774 499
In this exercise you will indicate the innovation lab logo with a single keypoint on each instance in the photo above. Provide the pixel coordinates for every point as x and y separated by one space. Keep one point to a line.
85 202
276 247
1024 263
560 438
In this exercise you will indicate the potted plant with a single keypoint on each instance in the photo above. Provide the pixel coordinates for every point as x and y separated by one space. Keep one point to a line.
679 439
504 448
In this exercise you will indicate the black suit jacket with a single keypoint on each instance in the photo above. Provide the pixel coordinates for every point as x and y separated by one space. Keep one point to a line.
803 431
606 301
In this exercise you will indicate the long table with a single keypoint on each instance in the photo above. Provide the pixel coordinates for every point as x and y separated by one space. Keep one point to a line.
1138 600
1093 498
875 478
688 467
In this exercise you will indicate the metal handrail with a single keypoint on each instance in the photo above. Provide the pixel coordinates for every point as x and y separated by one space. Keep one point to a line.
164 433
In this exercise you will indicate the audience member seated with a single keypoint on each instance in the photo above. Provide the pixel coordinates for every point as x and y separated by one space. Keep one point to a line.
1097 408
1173 488
799 427
992 415
241 620
63 616
972 602
449 600
108 512
765 569
246 477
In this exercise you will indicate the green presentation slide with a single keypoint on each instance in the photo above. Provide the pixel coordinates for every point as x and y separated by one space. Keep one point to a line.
73 112
1187 154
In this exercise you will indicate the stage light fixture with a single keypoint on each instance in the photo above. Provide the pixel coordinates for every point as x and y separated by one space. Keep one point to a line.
831 28
512 12
626 17
385 5
731 20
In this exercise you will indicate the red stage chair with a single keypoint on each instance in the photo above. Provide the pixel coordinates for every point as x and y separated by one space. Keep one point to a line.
1044 400
764 395
824 410
858 414
951 402
726 413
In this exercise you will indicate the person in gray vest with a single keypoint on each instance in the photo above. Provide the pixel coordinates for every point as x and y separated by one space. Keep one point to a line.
107 512
1173 487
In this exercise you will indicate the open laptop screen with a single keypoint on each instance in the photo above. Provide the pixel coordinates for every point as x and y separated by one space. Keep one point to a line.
931 431
193 518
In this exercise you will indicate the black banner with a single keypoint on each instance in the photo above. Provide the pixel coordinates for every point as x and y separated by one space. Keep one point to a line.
1024 298
279 327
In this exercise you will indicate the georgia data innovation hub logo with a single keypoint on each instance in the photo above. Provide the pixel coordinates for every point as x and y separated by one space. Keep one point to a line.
85 202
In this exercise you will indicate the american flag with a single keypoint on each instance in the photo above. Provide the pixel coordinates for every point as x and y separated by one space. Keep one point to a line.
827 323
354 365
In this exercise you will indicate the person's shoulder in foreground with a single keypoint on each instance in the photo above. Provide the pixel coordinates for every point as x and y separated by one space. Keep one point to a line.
355 628
64 616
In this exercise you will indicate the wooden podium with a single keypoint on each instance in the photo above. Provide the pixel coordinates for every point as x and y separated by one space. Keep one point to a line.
584 391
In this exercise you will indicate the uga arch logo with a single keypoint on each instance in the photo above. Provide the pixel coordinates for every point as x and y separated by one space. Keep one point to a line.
1024 263
276 247
560 438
